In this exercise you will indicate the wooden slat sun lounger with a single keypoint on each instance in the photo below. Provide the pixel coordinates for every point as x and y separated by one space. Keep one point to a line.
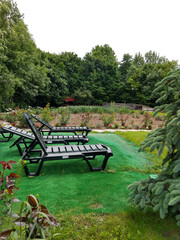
26 138
48 153
45 127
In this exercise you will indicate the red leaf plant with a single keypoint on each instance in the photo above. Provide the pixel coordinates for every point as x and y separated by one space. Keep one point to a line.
6 182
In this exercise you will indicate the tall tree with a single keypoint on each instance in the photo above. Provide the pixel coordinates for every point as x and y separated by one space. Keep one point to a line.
23 75
72 65
100 71
58 87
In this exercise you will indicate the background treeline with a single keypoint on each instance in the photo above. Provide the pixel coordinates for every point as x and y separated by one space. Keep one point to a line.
29 76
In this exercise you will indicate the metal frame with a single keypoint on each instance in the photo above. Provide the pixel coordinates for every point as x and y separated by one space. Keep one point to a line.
6 138
26 138
61 152
51 129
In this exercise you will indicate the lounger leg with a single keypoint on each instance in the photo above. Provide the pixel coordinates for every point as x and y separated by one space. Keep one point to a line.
17 143
106 157
33 173
7 138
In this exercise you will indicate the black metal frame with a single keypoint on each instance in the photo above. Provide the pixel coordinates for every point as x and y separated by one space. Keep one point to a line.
50 129
48 153
6 138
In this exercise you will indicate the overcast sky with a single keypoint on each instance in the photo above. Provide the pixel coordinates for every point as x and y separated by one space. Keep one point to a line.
127 26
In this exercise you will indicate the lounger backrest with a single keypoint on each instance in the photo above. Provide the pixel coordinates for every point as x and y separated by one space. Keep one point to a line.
35 132
41 121
18 131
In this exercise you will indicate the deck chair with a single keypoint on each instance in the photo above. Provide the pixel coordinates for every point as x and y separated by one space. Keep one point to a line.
51 129
25 138
50 153
5 134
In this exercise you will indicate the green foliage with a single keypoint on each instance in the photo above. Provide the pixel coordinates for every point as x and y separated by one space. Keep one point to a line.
30 76
65 117
85 118
11 116
34 221
162 193
107 119
20 117
83 96
46 113
100 73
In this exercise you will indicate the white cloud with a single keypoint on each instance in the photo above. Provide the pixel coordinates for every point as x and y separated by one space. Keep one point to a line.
128 26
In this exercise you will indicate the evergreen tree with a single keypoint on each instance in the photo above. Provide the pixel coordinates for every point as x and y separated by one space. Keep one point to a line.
163 192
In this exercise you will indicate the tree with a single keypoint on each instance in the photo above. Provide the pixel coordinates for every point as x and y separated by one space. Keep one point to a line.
125 65
100 71
163 193
142 76
72 65
22 77
8 15
83 96
58 87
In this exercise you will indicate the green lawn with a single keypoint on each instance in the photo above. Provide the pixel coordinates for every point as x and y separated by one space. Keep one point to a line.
92 205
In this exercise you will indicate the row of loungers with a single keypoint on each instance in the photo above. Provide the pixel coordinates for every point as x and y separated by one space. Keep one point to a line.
36 146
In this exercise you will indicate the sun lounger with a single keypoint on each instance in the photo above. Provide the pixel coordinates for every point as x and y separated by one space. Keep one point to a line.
48 153
48 128
6 135
25 138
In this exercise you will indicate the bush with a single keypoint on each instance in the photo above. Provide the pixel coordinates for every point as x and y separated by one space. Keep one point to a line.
20 117
11 116
65 117
46 113
107 119
85 118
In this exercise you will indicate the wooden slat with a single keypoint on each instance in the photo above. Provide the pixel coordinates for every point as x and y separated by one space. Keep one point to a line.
69 148
94 147
75 148
81 147
100 147
55 149
87 147
62 149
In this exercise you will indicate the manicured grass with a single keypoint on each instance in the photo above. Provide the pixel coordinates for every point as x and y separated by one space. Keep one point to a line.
137 138
93 205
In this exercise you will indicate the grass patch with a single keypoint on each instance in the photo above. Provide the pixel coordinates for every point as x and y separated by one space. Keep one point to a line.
137 138
93 205
132 225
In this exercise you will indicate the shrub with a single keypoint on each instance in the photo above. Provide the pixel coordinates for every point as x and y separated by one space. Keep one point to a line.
123 119
146 120
20 117
85 118
65 117
11 116
46 113
107 119
34 221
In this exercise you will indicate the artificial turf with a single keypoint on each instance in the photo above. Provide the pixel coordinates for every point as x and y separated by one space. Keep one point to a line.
69 186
